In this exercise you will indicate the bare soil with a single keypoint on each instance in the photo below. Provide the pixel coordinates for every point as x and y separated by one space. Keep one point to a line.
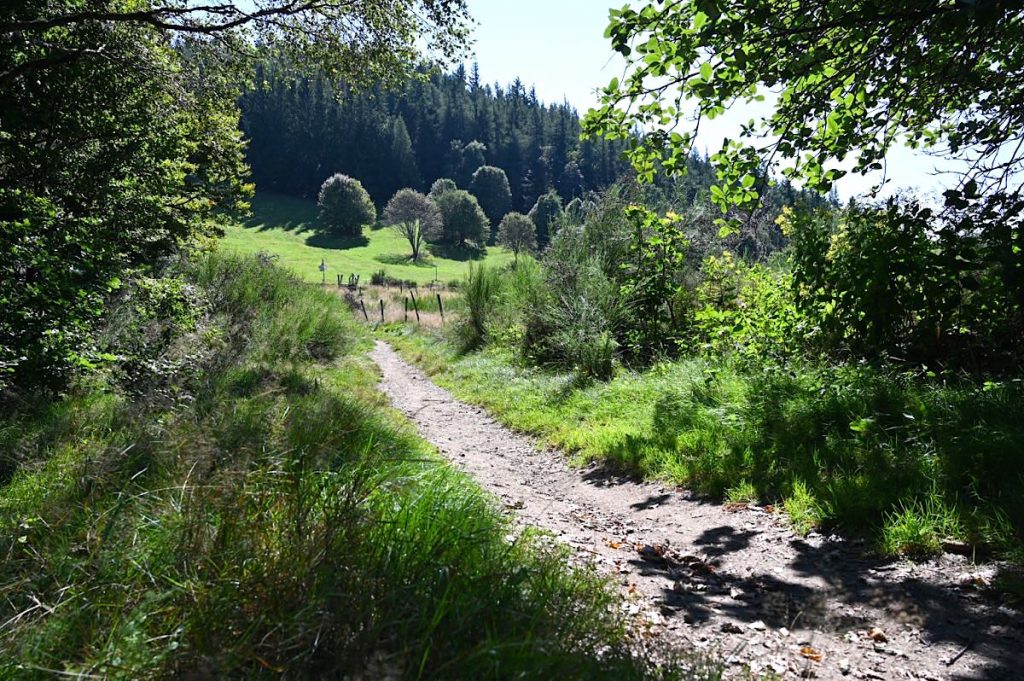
732 580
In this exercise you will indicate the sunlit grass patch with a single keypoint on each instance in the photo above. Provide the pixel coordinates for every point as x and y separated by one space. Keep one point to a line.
287 228
846 449
262 511
742 493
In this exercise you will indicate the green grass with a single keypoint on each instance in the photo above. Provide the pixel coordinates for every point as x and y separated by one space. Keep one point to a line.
259 511
905 461
286 227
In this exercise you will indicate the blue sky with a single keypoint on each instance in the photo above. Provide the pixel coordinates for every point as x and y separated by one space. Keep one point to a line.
559 47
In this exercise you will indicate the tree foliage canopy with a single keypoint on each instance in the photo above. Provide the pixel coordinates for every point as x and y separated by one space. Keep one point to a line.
463 218
851 80
517 233
544 213
109 159
119 139
364 41
490 187
415 217
442 185
345 207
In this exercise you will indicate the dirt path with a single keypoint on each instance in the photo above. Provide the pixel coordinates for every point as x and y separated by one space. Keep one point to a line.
735 581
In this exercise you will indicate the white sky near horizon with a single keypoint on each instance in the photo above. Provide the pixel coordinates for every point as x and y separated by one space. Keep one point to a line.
558 46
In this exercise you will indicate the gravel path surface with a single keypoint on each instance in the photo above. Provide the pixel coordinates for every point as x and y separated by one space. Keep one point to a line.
730 579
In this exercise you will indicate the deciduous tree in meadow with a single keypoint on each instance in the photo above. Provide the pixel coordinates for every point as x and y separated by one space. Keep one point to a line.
518 234
490 187
463 218
345 207
415 217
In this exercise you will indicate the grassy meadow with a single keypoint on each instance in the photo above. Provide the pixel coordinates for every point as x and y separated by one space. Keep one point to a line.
286 227
232 498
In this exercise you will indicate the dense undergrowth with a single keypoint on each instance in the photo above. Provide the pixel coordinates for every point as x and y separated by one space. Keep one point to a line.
861 384
230 497
905 461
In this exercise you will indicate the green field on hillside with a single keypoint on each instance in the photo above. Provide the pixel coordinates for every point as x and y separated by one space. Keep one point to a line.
286 227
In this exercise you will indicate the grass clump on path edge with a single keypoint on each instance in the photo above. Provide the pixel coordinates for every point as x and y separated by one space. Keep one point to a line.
232 498
906 462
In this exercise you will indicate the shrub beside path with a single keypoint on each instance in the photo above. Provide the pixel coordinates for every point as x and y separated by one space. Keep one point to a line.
732 580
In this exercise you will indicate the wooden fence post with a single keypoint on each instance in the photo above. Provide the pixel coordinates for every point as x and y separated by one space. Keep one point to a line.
415 307
381 310
406 300
362 305
440 307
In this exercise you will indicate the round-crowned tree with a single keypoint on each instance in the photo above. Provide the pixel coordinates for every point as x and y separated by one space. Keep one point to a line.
518 234
442 185
345 206
415 217
463 218
490 187
547 209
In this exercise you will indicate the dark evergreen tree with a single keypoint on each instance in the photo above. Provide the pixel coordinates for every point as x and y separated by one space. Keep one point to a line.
301 130
403 160
442 125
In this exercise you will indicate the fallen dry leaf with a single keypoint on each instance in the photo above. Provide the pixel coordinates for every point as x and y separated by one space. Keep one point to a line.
613 544
652 553
877 635
811 654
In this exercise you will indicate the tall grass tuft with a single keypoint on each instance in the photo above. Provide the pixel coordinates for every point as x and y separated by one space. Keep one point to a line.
480 292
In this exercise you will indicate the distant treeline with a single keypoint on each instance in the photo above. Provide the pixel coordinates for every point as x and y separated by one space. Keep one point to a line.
448 125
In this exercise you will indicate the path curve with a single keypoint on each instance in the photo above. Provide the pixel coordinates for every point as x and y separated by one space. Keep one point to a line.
735 581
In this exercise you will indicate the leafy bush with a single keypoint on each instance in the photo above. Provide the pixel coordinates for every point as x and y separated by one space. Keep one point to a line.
149 316
893 281
573 322
345 206
748 310
140 163
651 282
